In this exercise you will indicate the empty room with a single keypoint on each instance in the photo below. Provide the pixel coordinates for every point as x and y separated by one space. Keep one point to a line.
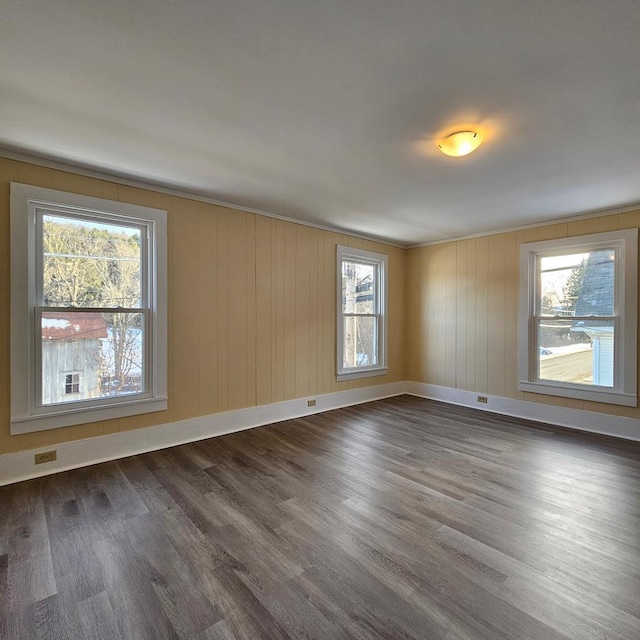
319 320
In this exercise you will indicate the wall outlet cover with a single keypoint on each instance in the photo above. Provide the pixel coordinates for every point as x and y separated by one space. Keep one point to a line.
45 456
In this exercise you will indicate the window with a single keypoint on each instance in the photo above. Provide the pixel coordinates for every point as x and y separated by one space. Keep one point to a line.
72 383
88 316
578 305
362 307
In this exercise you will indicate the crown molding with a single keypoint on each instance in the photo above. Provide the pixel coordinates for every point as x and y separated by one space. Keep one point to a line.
99 174
597 213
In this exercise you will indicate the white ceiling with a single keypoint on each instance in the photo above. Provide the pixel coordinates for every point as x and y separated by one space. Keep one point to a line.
326 110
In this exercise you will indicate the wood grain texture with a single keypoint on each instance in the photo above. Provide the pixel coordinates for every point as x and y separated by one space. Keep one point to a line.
402 518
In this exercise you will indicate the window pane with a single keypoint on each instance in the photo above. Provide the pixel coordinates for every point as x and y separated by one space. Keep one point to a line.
580 352
578 284
358 295
91 355
90 264
72 383
360 342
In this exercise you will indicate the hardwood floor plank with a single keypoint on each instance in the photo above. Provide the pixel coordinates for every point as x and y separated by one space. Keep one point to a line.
136 607
219 631
97 619
52 618
30 575
76 569
4 595
188 609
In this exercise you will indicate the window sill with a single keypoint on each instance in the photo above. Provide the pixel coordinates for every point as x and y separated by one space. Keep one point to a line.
363 373
608 396
84 415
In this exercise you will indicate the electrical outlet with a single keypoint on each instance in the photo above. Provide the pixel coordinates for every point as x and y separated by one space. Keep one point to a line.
482 399
311 403
46 456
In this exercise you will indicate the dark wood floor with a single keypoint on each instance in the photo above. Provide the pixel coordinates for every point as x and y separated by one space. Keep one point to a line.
402 518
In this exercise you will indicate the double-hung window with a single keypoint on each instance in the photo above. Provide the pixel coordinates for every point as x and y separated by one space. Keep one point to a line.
578 317
88 317
362 313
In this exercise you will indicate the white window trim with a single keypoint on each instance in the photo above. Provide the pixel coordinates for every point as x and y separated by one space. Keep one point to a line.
25 416
379 260
624 392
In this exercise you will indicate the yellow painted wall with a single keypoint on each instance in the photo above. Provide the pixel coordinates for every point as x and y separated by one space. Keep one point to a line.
252 307
462 302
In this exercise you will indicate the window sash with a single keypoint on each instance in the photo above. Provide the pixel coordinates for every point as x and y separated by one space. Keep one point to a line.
376 315
144 309
380 291
617 249
534 375
147 369
575 318
537 317
361 315
375 342
102 218
375 283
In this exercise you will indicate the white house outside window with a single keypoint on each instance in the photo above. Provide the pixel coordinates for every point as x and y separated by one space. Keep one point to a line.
88 309
362 310
578 308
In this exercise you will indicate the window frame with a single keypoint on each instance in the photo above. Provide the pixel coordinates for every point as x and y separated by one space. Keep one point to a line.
71 384
625 244
380 262
28 205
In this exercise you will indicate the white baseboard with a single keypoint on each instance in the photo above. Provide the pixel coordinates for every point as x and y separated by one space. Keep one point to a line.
15 467
616 426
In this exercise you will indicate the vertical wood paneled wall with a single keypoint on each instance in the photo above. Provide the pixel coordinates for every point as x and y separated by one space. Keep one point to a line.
462 304
252 307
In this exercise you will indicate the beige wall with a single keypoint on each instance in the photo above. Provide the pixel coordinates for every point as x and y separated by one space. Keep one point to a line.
462 311
252 307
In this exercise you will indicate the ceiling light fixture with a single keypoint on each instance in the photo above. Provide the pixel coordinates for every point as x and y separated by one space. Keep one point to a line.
460 143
